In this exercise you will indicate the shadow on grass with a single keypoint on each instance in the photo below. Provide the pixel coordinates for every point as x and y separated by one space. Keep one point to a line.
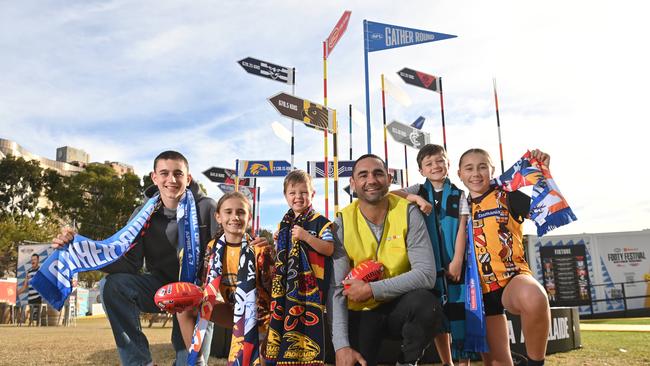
162 354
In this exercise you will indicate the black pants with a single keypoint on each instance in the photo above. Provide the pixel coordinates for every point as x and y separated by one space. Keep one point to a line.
414 318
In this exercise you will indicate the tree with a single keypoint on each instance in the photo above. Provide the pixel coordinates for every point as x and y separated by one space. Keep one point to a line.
266 234
21 183
16 229
98 200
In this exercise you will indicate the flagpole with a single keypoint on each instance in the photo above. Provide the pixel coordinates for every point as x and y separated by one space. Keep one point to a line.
326 166
258 195
350 125
442 112
336 164
365 63
293 123
236 175
406 166
383 110
496 105
254 205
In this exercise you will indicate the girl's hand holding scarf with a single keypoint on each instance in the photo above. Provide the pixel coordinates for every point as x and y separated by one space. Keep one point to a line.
64 238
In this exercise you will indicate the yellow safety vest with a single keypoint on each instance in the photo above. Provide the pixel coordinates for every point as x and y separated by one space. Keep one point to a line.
360 243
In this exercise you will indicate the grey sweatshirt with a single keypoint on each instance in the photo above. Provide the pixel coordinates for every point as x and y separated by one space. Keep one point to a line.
421 276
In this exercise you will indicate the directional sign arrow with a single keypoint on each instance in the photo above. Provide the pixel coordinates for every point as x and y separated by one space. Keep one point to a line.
223 175
310 113
420 79
246 191
347 190
267 70
408 135
338 31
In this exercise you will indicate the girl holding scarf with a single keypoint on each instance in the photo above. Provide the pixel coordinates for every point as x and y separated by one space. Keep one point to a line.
238 285
304 243
506 281
446 210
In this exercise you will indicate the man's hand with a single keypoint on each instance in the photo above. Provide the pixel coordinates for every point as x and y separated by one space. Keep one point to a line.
347 356
359 291
455 270
299 233
64 238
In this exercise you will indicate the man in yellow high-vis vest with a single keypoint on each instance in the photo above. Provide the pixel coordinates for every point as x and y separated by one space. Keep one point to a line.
388 229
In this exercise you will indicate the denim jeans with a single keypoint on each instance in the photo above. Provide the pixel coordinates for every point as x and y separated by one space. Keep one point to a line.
124 297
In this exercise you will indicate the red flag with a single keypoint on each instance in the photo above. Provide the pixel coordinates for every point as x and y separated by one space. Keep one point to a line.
338 31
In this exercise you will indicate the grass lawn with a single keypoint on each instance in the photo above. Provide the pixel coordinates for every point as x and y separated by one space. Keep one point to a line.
91 343
644 321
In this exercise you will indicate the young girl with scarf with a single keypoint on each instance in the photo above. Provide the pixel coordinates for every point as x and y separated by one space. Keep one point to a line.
446 211
304 241
238 285
496 253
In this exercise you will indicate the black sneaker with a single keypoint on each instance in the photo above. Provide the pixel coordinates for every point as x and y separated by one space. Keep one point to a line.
519 359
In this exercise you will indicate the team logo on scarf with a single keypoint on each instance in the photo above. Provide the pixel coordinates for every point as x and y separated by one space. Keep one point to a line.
54 279
296 330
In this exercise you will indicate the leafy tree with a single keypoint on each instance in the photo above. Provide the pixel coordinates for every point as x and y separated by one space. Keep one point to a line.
21 183
98 200
16 229
266 234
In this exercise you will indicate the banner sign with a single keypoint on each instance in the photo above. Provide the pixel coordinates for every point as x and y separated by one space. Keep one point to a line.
310 113
249 192
338 31
264 168
223 175
30 256
379 36
420 79
408 135
565 273
267 70
315 168
397 176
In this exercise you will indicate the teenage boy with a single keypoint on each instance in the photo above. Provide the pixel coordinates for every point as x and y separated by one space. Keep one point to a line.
126 291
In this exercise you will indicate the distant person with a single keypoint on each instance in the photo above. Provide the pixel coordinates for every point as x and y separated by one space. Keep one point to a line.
506 280
385 228
34 299
446 210
126 291
304 244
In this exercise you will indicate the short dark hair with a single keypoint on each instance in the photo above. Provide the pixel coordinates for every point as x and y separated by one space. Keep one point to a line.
429 150
367 156
170 155
36 255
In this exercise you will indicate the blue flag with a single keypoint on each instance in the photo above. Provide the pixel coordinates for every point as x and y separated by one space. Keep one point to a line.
379 36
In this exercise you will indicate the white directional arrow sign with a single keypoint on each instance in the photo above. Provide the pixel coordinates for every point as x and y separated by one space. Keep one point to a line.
408 135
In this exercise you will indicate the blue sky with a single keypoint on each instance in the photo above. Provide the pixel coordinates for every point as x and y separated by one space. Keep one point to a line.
125 80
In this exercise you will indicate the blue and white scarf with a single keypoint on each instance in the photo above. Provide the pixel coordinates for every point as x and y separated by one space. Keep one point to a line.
54 279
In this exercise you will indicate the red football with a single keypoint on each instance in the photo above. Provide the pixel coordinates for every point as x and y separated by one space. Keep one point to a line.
367 271
177 296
